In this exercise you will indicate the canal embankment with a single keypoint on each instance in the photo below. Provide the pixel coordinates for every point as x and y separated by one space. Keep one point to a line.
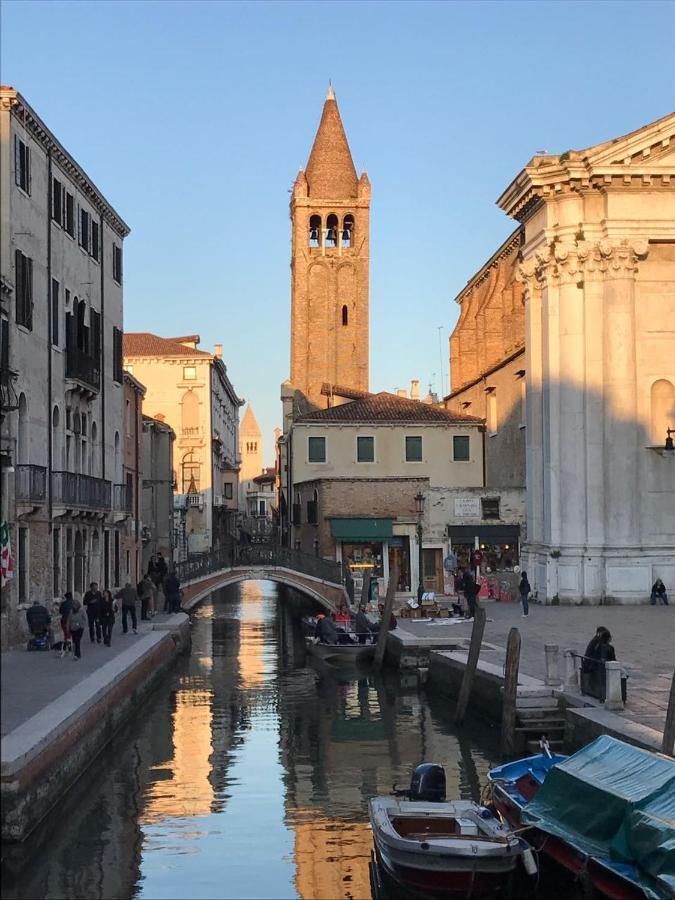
58 714
544 700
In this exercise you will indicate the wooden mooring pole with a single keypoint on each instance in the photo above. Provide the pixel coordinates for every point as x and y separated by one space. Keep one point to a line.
510 693
365 590
386 619
668 745
471 664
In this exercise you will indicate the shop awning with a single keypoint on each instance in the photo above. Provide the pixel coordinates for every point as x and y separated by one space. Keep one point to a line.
361 529
488 534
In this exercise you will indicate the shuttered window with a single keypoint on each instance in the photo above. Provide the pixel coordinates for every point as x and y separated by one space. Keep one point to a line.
85 229
23 277
95 249
117 356
117 263
95 333
22 164
57 201
70 215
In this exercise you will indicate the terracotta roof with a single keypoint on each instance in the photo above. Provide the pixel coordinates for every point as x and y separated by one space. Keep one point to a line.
339 390
385 407
330 169
143 343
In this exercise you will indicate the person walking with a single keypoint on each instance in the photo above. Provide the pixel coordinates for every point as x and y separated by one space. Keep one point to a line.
106 614
524 590
65 608
77 621
91 602
161 566
129 597
144 590
658 593
470 589
172 592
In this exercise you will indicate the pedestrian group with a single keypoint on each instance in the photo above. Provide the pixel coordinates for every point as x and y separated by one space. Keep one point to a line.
98 609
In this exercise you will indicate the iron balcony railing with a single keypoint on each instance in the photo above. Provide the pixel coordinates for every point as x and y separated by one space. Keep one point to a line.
121 494
266 555
85 491
83 367
30 483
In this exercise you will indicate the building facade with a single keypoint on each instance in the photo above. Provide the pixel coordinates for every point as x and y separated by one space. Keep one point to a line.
62 442
127 504
251 455
330 249
157 490
597 266
189 390
355 472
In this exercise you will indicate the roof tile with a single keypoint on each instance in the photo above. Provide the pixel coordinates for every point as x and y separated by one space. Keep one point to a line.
385 407
143 343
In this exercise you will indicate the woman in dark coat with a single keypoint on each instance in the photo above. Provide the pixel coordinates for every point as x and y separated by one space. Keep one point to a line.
106 614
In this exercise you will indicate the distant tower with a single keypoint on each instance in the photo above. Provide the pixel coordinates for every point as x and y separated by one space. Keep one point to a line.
330 215
251 452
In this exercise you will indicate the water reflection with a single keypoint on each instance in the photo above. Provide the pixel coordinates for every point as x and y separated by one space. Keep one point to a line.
247 774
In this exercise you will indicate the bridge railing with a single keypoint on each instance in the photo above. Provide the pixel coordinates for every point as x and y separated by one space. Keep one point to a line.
259 555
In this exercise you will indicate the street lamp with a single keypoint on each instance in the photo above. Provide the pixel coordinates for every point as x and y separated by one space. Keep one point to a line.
419 509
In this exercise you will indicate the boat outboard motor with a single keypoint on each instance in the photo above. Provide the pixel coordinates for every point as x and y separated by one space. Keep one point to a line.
428 783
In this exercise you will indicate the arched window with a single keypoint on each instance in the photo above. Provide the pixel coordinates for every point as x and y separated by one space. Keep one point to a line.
56 439
347 236
662 410
190 473
23 443
332 230
345 315
315 231
190 413
117 467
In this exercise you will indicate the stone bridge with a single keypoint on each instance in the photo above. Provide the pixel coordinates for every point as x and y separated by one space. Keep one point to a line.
317 578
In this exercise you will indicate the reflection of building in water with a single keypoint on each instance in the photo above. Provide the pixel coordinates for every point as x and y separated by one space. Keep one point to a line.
342 749
329 857
251 637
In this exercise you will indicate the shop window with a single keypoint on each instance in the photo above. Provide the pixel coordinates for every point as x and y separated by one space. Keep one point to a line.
364 558
490 507
316 449
461 448
413 448
365 449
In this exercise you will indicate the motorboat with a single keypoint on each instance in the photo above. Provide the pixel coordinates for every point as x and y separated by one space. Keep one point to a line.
341 654
606 814
434 848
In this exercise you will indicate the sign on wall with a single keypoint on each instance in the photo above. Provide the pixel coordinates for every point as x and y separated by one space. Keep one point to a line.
467 506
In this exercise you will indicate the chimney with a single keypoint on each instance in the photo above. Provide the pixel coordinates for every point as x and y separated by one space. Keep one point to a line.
401 392
415 389
218 351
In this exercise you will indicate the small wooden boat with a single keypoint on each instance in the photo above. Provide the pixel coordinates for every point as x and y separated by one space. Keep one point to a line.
443 849
341 654
606 814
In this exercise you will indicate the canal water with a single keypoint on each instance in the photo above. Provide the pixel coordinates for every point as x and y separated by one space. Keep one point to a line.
247 774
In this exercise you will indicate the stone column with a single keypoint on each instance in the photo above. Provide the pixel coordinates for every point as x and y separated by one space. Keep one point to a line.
618 261
552 656
533 434
613 697
571 680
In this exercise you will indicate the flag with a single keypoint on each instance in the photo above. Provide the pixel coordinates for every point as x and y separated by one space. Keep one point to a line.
6 561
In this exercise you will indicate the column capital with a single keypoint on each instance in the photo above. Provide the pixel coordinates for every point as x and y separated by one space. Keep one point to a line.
570 263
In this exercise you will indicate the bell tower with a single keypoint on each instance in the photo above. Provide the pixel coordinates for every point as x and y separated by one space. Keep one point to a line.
330 221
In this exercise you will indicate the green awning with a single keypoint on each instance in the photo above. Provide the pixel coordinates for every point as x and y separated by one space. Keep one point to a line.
361 529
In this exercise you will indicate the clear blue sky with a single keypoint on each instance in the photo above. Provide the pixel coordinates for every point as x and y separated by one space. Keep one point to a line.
193 118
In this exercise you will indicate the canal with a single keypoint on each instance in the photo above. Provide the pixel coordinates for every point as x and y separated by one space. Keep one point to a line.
246 774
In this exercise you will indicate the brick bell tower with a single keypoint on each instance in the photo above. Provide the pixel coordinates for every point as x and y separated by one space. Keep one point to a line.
330 216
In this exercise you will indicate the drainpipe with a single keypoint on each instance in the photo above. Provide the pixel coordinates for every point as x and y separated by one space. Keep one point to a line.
50 325
483 430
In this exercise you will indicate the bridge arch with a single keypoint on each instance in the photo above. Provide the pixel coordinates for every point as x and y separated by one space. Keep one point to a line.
331 596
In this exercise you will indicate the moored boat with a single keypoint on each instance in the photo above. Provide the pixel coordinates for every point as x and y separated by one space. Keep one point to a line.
606 814
341 654
431 847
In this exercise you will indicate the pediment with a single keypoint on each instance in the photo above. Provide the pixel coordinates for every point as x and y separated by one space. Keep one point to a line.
651 147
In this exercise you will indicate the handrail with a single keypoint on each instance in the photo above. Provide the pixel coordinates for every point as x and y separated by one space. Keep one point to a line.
263 555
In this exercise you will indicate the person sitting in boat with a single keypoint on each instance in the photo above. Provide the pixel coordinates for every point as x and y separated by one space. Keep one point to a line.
392 618
364 628
342 636
325 630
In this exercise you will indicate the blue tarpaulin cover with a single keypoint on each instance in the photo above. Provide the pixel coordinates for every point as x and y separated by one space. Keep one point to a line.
615 803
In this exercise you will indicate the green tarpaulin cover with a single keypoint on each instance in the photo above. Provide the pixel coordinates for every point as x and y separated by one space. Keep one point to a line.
616 803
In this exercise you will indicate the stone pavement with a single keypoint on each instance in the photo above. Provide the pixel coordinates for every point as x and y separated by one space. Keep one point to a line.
643 637
30 681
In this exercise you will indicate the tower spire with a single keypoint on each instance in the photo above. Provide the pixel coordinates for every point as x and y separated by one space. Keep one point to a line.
330 168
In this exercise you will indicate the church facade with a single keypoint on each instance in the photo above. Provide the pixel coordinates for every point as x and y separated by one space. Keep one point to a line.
595 257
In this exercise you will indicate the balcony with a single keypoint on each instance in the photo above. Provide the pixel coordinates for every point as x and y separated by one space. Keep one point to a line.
76 491
121 498
30 485
83 367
